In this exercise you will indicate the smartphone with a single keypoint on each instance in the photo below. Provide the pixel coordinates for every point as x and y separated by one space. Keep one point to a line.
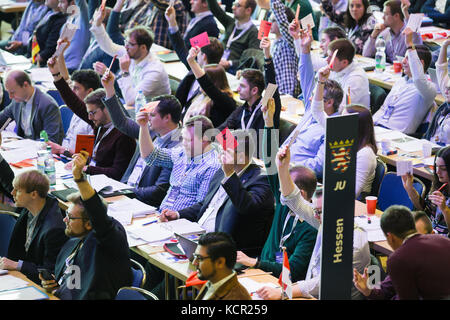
46 275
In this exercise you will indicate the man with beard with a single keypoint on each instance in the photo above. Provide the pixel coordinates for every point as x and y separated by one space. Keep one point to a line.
214 259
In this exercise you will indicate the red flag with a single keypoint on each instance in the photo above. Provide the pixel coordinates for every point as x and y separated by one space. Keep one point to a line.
285 276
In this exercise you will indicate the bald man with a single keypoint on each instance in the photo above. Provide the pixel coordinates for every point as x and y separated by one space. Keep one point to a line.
31 109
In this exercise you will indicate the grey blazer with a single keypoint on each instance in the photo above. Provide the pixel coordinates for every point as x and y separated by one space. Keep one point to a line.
45 115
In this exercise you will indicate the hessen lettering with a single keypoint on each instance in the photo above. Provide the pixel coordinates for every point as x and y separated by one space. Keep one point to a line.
339 240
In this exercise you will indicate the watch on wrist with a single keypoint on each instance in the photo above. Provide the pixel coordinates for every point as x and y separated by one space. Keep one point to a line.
412 47
125 74
56 74
81 179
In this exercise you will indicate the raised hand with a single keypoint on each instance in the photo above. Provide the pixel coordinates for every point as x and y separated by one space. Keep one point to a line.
142 119
294 29
265 46
171 17
268 112
78 163
360 282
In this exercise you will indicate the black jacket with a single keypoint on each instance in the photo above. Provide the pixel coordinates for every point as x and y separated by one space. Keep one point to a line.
247 212
103 259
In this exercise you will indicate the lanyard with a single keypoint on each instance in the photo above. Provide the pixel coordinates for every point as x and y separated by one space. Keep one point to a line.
194 21
251 117
283 239
94 152
232 38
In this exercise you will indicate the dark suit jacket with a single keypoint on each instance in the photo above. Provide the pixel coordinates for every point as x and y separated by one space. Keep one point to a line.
48 235
45 115
182 45
247 211
154 181
230 290
103 259
47 35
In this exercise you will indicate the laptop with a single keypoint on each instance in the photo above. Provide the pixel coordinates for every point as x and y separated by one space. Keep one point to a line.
189 247
434 79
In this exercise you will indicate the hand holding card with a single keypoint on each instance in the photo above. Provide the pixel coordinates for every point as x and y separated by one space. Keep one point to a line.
264 29
226 139
200 40
149 107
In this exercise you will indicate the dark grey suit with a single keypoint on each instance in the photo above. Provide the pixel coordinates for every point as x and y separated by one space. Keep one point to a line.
45 115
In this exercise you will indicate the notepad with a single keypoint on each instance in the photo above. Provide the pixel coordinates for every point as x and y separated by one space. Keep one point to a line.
28 293
9 282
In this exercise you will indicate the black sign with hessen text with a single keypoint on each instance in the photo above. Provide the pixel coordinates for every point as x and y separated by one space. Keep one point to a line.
338 207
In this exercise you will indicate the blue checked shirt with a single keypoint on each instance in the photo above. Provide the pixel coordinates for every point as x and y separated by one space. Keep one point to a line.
190 177
284 56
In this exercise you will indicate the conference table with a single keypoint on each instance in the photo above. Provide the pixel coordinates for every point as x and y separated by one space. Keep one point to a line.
17 294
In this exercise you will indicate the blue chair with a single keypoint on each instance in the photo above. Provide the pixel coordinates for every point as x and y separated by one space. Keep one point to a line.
392 191
66 116
139 274
7 223
380 171
55 95
132 293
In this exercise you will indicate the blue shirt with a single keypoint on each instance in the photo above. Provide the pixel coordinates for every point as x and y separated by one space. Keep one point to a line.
33 14
190 177
81 39
309 148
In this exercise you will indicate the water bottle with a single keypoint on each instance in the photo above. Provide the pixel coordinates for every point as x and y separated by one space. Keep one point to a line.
380 55
43 135
139 102
42 155
42 144
50 170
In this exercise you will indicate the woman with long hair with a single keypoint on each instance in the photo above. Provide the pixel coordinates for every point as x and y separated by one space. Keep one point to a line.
437 201
357 21
215 99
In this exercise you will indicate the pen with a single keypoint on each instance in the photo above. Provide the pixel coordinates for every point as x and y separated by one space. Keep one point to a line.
147 223
443 186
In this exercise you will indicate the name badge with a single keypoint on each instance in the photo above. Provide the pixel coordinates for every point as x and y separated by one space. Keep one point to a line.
279 257
226 54
136 174
173 195
388 112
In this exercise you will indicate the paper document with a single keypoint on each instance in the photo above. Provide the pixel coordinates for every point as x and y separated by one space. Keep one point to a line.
373 229
68 32
102 183
13 156
268 93
28 293
41 75
308 20
252 286
9 282
134 207
151 233
404 167
415 21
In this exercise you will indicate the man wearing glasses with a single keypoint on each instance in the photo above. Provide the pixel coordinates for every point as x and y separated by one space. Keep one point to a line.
240 32
140 69
94 263
113 150
214 259
38 234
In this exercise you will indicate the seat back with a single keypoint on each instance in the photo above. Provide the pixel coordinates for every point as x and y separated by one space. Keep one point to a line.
377 97
173 86
392 191
132 293
66 116
380 171
55 95
286 128
139 274
7 223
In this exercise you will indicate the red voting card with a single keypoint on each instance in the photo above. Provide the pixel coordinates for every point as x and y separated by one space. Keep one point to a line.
200 40
264 29
85 142
149 106
226 139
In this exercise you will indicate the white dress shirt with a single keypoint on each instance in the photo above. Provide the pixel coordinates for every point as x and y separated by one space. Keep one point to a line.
355 77
148 75
409 100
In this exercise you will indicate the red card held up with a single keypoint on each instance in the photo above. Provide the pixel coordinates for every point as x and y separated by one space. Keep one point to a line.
226 139
149 107
200 40
264 29
85 142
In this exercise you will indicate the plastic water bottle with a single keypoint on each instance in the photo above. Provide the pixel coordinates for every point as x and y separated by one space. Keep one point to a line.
43 135
380 55
41 155
139 102
50 170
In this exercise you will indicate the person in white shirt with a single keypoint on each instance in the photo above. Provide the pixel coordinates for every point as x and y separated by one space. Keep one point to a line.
348 73
140 69
411 97
311 213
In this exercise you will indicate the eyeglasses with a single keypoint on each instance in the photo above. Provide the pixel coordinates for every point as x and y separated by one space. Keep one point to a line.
199 257
92 113
130 44
238 5
73 218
